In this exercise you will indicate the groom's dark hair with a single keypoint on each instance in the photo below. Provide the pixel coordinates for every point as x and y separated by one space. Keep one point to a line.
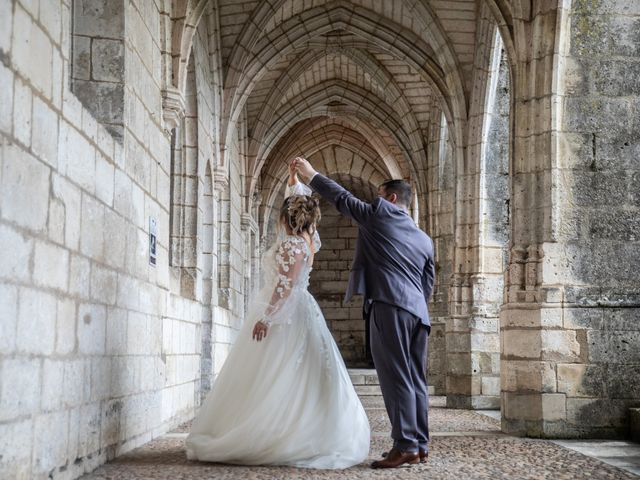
401 188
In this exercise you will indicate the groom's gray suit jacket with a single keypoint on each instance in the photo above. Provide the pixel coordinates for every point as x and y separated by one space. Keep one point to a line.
393 260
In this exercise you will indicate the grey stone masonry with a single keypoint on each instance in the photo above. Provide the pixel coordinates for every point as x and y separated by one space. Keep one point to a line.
98 61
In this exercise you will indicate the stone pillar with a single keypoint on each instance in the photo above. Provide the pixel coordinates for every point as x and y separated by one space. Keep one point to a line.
473 331
533 338
221 194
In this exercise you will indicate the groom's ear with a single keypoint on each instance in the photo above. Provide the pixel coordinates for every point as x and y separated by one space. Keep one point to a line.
393 198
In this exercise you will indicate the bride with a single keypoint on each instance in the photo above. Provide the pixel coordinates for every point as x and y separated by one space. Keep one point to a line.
283 396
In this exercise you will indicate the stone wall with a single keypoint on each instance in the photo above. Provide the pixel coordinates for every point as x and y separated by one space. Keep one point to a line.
598 371
97 350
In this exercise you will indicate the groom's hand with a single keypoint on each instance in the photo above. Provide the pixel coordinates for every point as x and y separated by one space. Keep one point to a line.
260 331
304 168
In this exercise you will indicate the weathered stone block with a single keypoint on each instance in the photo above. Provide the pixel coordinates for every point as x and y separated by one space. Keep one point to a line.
77 156
5 32
31 51
100 378
8 318
55 224
15 254
613 347
20 387
52 378
66 327
583 318
24 197
519 376
104 100
89 440
623 381
44 136
92 329
521 344
51 266
36 322
80 276
92 233
50 454
6 92
560 345
104 285
521 407
68 196
595 412
107 60
76 383
579 380
485 342
491 386
622 319
104 179
13 437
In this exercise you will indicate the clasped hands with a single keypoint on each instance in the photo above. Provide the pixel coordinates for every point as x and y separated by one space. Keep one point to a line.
303 167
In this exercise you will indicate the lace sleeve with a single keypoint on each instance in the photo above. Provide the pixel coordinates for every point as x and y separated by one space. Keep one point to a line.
290 258
297 188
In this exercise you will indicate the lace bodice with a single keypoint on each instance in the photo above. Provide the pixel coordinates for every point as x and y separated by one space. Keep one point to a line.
293 269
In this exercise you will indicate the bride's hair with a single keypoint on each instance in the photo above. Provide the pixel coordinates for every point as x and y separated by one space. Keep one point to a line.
301 213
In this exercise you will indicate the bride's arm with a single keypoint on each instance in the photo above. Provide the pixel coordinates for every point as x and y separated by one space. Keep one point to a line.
290 260
293 176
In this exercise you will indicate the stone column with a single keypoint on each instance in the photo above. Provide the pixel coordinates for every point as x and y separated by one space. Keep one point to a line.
221 214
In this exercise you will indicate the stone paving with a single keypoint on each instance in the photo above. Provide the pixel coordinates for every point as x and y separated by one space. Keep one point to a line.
465 445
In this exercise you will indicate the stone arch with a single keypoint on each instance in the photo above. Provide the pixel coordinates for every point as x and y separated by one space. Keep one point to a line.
363 59
319 138
406 45
185 16
353 103
477 283
179 23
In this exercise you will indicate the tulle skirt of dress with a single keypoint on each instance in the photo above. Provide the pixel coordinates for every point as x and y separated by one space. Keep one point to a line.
287 400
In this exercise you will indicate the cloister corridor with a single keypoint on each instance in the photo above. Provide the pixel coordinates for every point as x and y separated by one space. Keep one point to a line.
144 152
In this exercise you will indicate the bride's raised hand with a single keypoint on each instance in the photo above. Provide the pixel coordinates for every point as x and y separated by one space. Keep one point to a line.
293 174
260 331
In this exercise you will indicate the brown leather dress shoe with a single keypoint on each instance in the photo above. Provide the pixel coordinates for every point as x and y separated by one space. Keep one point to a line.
397 458
424 455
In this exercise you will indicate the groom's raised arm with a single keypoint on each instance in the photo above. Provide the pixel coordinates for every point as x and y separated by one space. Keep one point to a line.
344 201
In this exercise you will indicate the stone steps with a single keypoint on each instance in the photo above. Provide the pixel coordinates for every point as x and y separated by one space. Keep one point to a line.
365 381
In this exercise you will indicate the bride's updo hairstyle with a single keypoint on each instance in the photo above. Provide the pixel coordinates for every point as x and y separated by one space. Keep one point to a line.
301 213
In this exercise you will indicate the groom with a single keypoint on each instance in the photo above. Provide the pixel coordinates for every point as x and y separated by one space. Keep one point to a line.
394 270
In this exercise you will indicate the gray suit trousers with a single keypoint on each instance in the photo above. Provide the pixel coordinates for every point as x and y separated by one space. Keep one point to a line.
399 350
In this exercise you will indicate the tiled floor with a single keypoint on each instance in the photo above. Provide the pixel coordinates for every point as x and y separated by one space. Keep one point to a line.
465 445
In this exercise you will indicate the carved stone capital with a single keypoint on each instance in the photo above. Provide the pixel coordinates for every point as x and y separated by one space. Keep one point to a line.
248 223
220 179
172 108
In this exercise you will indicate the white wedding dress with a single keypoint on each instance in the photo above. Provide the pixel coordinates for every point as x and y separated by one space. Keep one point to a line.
287 400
